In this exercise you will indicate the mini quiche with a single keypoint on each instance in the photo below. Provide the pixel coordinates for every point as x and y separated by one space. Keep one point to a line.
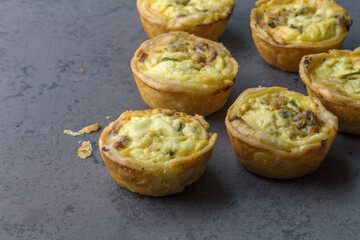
278 133
156 152
334 78
286 30
183 72
205 18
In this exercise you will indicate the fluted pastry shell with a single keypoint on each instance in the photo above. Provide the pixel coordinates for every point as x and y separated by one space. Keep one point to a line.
342 103
265 154
159 174
212 27
192 91
287 55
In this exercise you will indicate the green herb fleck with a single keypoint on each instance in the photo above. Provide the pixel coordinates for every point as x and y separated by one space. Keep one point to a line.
301 29
302 11
183 2
301 125
350 74
284 113
124 139
168 59
291 102
181 126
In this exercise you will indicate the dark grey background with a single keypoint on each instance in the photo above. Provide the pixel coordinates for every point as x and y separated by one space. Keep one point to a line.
47 192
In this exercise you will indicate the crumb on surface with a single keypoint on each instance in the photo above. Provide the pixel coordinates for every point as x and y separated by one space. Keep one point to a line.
92 128
69 132
88 129
107 117
85 149
82 70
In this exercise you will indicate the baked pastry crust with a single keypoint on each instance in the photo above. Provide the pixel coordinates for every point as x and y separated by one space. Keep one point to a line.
155 176
263 152
329 86
211 25
198 81
286 55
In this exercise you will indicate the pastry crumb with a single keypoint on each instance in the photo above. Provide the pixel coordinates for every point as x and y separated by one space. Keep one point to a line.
69 132
88 129
92 128
82 70
85 149
107 117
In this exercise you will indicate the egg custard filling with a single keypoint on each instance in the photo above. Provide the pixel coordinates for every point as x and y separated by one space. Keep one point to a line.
192 11
290 118
303 21
189 63
341 72
157 137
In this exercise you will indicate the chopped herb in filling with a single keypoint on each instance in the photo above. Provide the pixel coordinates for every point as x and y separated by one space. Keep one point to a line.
280 116
342 72
294 22
197 63
158 137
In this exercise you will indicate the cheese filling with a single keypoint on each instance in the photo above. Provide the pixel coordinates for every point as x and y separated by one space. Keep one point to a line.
192 11
159 137
195 64
343 73
288 116
301 23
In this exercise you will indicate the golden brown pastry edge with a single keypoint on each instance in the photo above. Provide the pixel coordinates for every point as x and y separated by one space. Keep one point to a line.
156 26
345 108
266 161
285 57
157 179
165 94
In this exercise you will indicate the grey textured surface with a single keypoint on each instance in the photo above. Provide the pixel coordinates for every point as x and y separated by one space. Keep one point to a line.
47 192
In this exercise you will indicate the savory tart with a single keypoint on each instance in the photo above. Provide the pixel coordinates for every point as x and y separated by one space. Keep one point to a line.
205 18
278 133
285 31
184 72
334 78
156 152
